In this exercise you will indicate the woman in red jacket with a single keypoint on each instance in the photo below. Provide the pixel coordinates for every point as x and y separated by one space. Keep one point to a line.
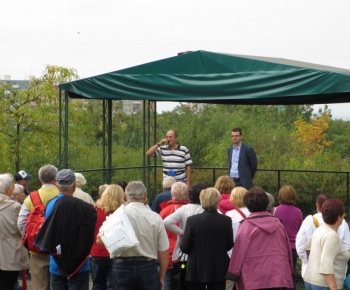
225 185
179 194
101 264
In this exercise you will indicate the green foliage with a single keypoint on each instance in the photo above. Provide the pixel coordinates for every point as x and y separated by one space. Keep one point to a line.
29 119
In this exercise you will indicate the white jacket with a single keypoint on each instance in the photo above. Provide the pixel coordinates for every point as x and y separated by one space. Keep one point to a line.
180 216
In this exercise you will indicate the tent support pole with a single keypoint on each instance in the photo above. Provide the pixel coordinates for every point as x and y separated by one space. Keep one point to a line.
154 142
65 129
109 142
60 129
149 141
144 144
104 140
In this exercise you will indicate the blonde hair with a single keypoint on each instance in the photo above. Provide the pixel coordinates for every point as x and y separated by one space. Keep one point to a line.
101 189
179 191
210 198
237 195
111 198
224 184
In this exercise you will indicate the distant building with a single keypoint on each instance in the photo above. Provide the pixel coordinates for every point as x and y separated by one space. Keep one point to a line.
196 107
17 84
129 107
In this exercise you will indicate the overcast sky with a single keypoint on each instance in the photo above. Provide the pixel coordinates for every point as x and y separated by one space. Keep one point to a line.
96 37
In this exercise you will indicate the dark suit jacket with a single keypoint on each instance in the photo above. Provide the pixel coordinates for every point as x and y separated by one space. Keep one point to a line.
247 164
160 198
207 238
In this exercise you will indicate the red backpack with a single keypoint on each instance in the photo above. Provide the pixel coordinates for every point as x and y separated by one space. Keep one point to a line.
34 222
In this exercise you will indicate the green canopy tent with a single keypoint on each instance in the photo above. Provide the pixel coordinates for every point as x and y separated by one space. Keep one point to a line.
207 77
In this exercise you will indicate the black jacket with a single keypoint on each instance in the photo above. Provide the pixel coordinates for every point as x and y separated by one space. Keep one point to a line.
207 238
70 224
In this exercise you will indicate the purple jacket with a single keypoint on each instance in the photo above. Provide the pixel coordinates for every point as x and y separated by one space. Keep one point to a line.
262 257
292 219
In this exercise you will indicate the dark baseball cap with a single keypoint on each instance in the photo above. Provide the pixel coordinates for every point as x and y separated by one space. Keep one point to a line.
22 175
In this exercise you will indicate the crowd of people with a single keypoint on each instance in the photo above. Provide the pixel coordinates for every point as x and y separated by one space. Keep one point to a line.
229 236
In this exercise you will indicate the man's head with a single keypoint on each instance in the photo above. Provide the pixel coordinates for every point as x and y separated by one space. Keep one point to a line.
236 136
171 137
135 190
65 180
168 182
122 184
80 179
22 178
47 174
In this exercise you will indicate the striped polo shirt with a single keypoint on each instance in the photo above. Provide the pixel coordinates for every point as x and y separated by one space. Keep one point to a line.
174 160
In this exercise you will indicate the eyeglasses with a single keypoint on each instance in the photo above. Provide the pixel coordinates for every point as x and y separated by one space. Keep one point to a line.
235 136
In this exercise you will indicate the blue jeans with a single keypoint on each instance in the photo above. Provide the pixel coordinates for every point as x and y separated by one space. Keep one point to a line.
101 268
141 275
79 281
167 279
309 286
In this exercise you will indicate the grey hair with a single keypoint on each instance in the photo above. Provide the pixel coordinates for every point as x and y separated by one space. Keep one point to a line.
47 173
80 179
168 181
271 202
18 189
65 187
135 190
102 188
5 182
179 191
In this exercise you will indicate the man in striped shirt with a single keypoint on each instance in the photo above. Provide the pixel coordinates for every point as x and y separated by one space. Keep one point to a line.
176 158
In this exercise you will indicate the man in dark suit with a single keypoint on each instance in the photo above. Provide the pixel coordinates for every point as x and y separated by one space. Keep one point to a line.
242 161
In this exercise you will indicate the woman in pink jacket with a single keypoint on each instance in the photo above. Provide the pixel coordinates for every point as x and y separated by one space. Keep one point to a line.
262 256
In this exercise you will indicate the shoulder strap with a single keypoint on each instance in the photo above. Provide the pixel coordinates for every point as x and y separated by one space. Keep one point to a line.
274 211
241 213
315 221
34 196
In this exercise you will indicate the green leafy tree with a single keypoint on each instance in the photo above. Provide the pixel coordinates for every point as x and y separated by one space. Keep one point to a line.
29 117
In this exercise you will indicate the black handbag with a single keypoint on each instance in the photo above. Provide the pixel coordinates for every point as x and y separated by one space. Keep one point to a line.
178 275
